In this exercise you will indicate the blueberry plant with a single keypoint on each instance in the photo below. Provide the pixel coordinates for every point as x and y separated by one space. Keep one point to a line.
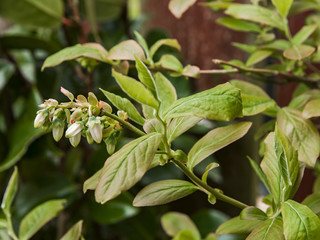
154 115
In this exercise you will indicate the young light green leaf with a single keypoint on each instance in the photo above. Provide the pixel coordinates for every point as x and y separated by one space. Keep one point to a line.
142 43
298 52
126 167
282 6
178 7
180 125
125 105
166 92
256 14
252 213
148 112
303 34
153 125
295 127
135 89
237 226
92 182
33 13
38 217
215 140
126 50
74 233
245 47
3 223
269 229
212 199
10 192
312 109
300 101
313 202
208 169
299 222
270 168
219 103
279 44
145 75
174 222
239 25
167 42
170 62
258 56
191 71
287 158
254 99
260 174
93 50
163 192
184 235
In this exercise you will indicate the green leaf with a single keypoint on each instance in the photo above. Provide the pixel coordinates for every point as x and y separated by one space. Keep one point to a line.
135 90
212 236
191 71
163 192
166 93
298 52
212 199
126 167
313 202
126 50
38 217
299 222
256 14
6 72
312 109
303 34
239 25
3 223
125 105
300 101
237 226
178 7
170 62
145 75
269 229
287 158
10 192
92 182
33 13
278 44
93 51
208 169
215 140
258 56
254 99
180 125
282 6
260 174
184 235
219 103
270 168
19 142
302 134
164 42
174 222
252 213
74 232
245 47
143 44
153 125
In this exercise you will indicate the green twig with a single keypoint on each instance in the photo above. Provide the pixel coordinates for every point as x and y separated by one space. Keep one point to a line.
207 188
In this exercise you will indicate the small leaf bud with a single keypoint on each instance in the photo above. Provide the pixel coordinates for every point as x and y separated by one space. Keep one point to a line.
67 93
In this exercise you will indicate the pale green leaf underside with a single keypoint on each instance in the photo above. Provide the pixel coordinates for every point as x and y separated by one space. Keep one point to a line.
299 222
74 232
38 217
312 109
269 229
126 167
252 213
125 105
215 140
237 226
92 182
178 7
163 192
298 52
219 103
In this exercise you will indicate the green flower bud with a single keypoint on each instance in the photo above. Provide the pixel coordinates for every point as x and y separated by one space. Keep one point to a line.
74 130
41 118
95 128
57 129
75 140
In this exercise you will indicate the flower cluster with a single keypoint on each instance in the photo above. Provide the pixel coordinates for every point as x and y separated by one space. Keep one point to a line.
82 116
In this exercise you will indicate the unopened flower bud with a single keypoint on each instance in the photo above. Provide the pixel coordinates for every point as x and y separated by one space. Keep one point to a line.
95 128
89 137
57 129
41 118
74 130
75 140
67 93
